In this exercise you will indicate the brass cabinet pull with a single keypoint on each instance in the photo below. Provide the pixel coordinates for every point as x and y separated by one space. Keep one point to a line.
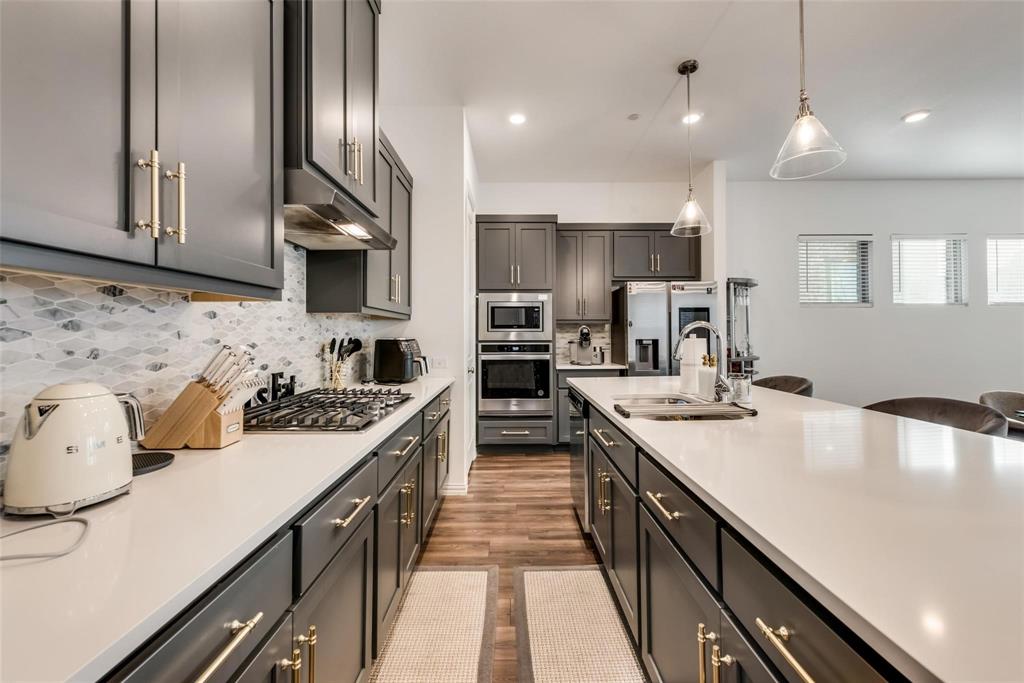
607 443
413 440
515 432
179 175
605 504
410 503
391 294
295 663
310 641
434 415
657 263
600 490
519 275
511 274
718 660
656 500
580 433
340 523
153 224
442 446
350 158
778 638
703 636
359 161
652 263
446 402
399 290
240 629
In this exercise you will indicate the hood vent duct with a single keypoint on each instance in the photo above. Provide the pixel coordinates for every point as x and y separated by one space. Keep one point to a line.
320 218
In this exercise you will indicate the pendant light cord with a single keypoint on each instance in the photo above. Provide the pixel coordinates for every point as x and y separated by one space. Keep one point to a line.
689 144
805 107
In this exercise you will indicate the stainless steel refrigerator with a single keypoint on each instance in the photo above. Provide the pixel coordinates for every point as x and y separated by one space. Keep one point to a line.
647 318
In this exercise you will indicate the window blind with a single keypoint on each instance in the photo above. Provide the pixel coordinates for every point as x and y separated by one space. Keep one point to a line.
1006 269
835 269
929 269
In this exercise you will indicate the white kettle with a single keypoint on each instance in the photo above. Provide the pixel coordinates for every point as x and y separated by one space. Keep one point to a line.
72 448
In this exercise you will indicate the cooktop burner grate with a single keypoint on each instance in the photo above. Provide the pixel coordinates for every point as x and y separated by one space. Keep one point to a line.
341 410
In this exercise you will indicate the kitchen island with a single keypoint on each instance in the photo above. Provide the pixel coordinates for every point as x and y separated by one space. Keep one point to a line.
909 534
151 554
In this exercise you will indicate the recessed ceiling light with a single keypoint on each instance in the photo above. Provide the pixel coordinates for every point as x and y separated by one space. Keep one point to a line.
517 119
692 118
915 116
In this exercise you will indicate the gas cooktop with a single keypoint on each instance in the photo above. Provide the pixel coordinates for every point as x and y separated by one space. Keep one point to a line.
339 410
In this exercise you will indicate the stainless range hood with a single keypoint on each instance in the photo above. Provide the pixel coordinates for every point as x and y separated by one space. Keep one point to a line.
321 218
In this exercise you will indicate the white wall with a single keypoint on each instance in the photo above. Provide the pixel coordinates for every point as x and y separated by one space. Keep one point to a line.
862 355
586 202
431 142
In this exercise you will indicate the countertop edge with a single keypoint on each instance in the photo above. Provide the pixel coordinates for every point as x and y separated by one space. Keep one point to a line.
120 651
874 638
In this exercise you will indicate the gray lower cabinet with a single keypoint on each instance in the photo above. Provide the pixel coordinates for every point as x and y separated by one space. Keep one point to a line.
512 432
615 534
584 275
514 256
397 545
435 473
277 660
739 661
250 600
655 255
374 282
676 608
333 620
136 68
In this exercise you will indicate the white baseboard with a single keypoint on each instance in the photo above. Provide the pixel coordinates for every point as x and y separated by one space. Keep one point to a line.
455 489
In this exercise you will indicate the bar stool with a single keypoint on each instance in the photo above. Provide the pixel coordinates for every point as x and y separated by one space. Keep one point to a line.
945 411
1009 403
791 384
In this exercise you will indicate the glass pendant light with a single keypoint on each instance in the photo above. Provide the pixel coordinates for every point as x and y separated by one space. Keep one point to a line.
809 150
691 221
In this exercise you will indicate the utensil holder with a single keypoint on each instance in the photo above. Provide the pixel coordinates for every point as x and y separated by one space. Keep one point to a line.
195 406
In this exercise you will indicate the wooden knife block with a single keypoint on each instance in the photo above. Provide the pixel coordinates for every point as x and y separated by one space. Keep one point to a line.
192 420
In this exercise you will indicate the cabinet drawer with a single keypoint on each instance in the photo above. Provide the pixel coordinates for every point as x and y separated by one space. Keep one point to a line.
432 414
516 432
267 665
393 453
446 400
322 532
620 450
686 522
262 586
752 592
564 375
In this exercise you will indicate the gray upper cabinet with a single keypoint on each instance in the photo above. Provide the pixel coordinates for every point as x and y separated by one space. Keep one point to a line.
655 255
373 282
584 275
224 138
513 256
361 97
76 199
329 148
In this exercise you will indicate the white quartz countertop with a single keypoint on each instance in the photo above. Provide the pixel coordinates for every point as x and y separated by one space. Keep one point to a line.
151 553
911 533
602 366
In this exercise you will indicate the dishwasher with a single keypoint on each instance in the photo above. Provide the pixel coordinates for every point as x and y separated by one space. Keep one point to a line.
579 461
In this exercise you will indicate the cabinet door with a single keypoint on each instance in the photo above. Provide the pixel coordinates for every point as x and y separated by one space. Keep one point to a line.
329 149
496 256
563 416
633 254
676 257
361 97
401 225
339 606
392 509
69 179
219 110
409 547
380 283
674 604
445 432
430 497
535 256
601 522
596 275
268 665
568 300
622 561
746 664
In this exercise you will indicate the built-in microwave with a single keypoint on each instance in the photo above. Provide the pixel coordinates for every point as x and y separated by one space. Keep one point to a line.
514 316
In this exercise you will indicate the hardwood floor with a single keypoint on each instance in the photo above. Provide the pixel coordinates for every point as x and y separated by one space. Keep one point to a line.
518 513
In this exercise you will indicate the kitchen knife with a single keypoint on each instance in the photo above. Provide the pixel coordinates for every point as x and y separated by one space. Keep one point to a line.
215 359
222 371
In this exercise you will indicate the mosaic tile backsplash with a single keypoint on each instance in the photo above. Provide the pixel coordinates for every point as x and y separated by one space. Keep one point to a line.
151 342
600 335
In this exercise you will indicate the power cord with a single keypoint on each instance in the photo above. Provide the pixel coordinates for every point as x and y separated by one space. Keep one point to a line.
45 556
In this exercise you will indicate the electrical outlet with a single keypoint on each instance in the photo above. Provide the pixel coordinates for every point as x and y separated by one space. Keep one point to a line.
441 362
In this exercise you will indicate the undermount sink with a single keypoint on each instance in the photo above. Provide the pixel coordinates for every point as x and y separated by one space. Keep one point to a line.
643 400
670 406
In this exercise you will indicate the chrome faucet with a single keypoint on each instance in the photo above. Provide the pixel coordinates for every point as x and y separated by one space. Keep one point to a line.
722 387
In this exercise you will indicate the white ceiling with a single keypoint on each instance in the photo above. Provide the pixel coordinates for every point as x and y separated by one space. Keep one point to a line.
578 69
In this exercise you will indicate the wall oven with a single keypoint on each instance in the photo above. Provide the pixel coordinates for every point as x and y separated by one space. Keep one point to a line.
515 379
514 316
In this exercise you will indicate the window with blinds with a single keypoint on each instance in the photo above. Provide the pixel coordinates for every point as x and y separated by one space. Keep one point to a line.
1006 269
929 269
835 269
